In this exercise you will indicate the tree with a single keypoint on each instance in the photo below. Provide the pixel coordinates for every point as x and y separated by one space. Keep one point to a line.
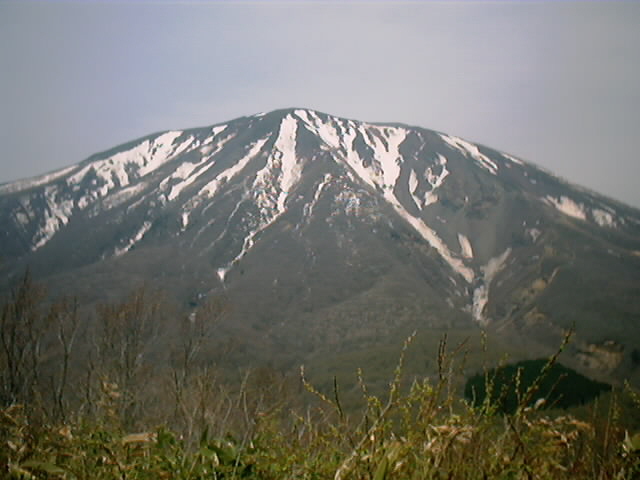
64 319
123 331
192 380
22 329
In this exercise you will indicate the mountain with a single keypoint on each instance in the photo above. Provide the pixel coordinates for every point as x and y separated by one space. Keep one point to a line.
330 236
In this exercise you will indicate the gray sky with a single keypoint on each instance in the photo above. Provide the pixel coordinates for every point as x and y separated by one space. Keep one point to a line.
556 83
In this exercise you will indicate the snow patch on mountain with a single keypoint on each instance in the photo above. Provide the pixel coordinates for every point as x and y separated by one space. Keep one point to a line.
340 136
384 142
385 146
603 218
121 196
183 173
210 189
383 171
20 185
413 188
470 150
150 155
181 148
436 242
272 186
247 244
205 164
56 214
277 178
123 167
513 159
187 173
567 206
435 180
184 219
325 131
481 292
391 162
215 131
285 152
307 210
213 150
119 173
351 157
222 272
465 246
142 231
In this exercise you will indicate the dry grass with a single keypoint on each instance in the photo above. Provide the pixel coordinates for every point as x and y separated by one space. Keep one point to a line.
419 431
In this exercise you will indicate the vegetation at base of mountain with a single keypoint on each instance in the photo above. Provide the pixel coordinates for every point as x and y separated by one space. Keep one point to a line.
561 386
126 418
425 431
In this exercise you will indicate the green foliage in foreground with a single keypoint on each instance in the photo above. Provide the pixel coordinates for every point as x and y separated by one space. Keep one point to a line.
423 431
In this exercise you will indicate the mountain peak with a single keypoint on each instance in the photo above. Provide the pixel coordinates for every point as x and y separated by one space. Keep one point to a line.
483 233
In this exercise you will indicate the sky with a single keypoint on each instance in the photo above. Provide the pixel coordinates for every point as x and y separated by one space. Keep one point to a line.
556 83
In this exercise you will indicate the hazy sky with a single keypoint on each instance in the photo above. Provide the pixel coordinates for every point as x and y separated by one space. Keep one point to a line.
556 83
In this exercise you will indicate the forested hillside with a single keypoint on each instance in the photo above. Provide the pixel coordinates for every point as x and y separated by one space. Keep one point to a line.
81 402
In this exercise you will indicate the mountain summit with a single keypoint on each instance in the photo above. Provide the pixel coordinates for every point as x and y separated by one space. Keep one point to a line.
319 228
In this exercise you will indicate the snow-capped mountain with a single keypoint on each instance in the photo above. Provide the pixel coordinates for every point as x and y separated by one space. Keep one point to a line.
302 219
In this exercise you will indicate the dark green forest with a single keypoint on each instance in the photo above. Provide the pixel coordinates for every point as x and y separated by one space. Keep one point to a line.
559 387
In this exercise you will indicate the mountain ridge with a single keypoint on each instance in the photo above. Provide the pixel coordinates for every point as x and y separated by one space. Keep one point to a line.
286 201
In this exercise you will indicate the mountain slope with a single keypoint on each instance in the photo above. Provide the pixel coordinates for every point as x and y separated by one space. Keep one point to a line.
323 231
